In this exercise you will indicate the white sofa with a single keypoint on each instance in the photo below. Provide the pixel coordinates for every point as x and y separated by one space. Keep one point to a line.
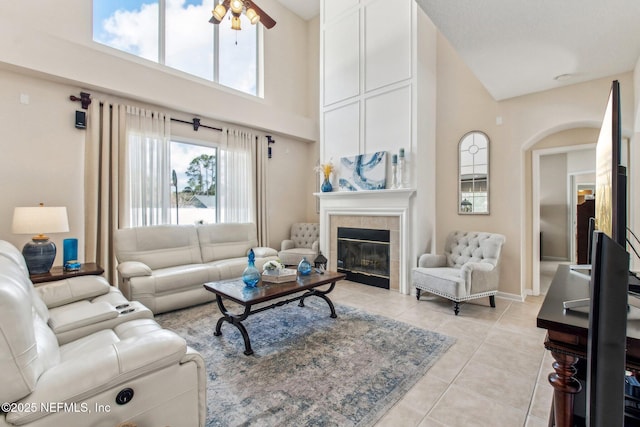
165 266
133 371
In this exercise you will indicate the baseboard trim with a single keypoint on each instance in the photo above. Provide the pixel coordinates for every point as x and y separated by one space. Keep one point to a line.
511 297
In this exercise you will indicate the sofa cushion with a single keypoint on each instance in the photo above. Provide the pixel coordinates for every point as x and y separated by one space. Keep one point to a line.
173 279
31 347
470 246
158 246
295 255
305 234
79 314
225 241
229 268
9 251
62 292
443 280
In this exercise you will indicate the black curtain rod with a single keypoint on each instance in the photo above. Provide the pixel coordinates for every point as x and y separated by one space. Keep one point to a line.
85 99
196 124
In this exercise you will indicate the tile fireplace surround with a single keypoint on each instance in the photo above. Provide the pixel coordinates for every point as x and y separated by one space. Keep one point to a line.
379 209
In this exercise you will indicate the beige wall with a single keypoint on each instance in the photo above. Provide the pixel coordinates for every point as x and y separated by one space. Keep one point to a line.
553 206
464 105
43 154
63 49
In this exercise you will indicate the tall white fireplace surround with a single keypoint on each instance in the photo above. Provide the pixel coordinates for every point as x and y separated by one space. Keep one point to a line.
390 209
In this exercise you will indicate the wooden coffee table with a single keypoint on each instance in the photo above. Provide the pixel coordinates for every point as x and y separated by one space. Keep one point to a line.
236 291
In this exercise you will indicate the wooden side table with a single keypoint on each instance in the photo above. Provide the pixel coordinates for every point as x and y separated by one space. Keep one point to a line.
59 273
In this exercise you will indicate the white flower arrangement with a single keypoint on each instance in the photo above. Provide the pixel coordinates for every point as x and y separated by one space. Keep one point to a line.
273 265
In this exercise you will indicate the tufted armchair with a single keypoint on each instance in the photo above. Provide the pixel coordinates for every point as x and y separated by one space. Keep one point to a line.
468 268
302 243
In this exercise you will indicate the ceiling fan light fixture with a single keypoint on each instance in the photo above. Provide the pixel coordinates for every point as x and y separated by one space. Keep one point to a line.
219 12
235 23
252 16
236 6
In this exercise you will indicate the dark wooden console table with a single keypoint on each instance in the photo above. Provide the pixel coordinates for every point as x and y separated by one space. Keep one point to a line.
567 336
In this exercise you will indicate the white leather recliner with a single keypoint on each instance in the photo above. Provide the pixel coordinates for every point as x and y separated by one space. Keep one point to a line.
135 371
79 305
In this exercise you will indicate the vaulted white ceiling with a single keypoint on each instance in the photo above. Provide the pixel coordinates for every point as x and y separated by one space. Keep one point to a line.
516 47
306 9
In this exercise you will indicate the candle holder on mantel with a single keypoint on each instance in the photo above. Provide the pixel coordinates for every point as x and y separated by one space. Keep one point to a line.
400 170
394 171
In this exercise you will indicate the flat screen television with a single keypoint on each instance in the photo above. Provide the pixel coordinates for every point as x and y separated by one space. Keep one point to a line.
606 346
609 276
611 175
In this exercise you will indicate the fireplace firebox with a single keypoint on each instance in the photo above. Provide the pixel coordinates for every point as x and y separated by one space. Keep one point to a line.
363 255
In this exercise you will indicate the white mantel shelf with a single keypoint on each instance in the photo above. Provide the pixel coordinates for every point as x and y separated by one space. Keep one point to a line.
395 192
389 202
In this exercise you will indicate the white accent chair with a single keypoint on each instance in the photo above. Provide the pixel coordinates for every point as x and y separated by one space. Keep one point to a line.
468 269
304 242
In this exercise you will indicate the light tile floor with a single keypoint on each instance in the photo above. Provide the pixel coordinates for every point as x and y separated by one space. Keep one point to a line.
494 375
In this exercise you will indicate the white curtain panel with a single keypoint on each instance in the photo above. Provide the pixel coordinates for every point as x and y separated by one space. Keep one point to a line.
148 167
237 177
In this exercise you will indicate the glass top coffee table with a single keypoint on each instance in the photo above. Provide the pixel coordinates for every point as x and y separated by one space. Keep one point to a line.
236 291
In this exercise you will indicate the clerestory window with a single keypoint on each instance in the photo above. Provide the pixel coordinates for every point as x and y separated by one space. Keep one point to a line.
177 33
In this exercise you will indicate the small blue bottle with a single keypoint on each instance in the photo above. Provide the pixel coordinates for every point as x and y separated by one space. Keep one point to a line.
304 267
251 275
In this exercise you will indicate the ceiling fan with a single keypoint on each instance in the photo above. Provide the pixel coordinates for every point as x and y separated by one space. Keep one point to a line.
250 9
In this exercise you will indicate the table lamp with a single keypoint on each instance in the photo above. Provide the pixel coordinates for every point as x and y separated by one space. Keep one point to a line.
39 253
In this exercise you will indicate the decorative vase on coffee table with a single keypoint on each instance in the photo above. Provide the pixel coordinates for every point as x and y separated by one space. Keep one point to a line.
251 275
304 267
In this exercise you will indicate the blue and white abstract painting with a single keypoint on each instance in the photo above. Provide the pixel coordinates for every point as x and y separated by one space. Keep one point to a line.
363 172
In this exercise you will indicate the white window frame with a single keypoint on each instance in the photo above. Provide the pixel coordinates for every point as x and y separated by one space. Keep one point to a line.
216 50
206 144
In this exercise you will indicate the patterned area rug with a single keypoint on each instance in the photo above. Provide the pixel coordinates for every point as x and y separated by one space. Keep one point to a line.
308 369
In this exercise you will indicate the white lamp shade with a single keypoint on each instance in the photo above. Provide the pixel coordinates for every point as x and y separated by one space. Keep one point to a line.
40 220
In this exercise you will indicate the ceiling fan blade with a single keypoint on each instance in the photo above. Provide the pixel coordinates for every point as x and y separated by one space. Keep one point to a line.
225 3
266 20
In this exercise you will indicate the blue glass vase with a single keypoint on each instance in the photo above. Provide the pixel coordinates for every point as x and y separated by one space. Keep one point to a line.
304 267
251 275
70 255
326 186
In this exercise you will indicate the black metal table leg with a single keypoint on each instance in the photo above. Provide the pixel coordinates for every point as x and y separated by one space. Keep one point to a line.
236 321
323 295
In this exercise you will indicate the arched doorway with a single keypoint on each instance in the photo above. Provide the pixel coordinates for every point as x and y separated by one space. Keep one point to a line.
573 143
